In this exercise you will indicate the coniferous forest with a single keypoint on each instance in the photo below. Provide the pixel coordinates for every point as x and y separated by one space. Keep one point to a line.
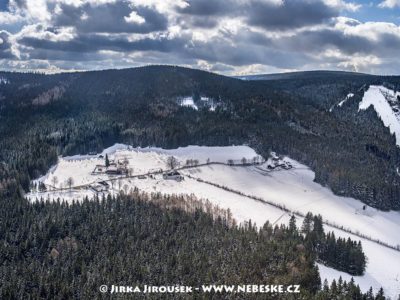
349 150
68 251
59 251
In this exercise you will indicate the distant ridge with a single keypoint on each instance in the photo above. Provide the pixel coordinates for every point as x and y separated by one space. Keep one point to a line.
301 74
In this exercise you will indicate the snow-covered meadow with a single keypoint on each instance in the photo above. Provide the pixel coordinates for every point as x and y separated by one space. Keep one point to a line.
293 188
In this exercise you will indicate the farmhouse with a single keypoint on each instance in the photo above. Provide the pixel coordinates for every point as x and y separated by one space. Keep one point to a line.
174 175
113 170
99 169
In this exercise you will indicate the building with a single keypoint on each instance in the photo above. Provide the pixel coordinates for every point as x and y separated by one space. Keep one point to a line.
113 170
174 175
99 169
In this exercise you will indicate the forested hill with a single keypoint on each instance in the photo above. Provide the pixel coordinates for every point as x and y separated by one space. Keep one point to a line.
305 75
352 152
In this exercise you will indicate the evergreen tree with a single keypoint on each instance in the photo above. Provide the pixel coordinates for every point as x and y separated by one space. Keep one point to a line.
107 161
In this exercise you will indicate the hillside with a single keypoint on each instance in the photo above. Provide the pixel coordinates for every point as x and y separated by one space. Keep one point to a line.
236 179
309 75
351 151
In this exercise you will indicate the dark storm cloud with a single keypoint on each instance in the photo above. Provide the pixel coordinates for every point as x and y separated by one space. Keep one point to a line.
278 16
72 49
206 14
217 50
5 45
291 14
319 40
208 8
110 17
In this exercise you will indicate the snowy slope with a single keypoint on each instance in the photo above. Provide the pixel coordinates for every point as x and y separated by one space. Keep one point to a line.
385 104
141 161
202 153
296 190
293 188
383 267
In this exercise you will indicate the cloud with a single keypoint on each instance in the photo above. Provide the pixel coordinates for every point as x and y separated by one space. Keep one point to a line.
389 4
228 36
208 8
289 14
110 17
6 46
343 5
86 43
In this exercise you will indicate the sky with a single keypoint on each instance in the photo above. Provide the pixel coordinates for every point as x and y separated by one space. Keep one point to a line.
231 37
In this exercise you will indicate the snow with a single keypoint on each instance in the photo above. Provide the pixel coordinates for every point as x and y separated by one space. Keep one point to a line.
340 104
202 153
383 267
350 95
365 282
297 191
141 160
294 189
67 196
381 99
189 102
206 102
4 80
242 208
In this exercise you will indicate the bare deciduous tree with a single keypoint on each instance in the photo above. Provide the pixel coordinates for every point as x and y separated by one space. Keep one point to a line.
54 181
172 162
70 182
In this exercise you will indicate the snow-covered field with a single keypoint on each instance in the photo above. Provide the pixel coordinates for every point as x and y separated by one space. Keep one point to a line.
292 188
385 104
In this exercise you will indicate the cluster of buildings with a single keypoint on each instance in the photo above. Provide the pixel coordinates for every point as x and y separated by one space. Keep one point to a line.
119 167
278 163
